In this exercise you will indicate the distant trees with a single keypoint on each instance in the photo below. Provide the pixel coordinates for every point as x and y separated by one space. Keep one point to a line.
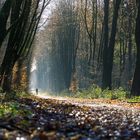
67 38
90 41
90 16
94 39
62 50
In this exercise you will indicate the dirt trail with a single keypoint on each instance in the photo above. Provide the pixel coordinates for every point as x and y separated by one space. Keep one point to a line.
95 102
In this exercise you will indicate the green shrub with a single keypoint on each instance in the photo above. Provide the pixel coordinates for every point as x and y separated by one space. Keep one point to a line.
120 93
107 94
95 91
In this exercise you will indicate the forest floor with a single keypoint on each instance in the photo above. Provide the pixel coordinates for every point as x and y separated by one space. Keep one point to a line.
37 118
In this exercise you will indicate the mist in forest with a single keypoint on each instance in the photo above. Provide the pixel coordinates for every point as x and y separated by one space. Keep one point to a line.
33 84
74 50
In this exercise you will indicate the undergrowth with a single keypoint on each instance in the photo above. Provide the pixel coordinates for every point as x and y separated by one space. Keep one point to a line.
95 92
10 106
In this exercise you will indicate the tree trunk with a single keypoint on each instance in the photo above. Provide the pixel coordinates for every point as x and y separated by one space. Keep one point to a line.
4 14
108 65
6 69
136 80
7 80
105 45
130 44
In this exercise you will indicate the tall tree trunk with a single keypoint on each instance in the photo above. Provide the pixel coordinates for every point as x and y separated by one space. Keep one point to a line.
136 80
130 20
107 68
105 45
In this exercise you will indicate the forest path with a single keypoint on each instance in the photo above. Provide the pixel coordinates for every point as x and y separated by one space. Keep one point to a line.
95 102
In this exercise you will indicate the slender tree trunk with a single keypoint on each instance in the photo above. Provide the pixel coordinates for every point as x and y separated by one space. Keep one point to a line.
130 44
95 31
105 45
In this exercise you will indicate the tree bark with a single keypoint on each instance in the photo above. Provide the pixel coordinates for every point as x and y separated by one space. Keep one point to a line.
6 70
105 46
4 14
108 65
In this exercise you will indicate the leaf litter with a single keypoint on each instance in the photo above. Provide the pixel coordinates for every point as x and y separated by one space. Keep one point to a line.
51 119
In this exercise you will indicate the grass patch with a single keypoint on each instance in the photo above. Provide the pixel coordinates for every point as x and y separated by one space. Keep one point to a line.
135 99
13 109
9 105
9 109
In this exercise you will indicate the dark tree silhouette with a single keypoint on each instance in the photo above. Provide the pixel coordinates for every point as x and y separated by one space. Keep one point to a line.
24 19
108 63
